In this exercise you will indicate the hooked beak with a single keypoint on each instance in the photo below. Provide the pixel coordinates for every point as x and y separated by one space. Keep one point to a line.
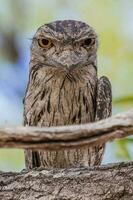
69 60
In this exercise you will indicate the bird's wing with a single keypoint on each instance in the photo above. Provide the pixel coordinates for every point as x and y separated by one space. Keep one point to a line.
103 99
103 110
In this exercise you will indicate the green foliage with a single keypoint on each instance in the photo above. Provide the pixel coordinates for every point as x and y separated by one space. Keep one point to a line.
11 159
123 101
122 150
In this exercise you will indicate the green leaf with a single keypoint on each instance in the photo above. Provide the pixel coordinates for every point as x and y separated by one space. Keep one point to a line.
123 100
122 148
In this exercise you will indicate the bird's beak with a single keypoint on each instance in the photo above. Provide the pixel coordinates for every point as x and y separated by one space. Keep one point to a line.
69 60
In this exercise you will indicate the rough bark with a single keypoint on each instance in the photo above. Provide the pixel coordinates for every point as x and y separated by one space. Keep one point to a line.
113 182
54 138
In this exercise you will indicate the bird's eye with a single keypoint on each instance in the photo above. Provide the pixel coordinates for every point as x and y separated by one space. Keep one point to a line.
89 41
44 43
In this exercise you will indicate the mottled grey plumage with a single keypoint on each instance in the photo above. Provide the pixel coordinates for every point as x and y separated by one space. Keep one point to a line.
63 89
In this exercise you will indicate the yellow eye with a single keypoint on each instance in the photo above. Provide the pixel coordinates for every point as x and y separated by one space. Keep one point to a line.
44 43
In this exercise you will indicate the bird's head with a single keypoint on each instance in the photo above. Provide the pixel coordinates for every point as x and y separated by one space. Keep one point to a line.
64 45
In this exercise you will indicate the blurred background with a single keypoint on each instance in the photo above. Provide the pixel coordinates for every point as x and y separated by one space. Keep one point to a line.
19 19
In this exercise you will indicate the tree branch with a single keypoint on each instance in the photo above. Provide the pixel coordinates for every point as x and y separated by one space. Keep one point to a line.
113 182
54 138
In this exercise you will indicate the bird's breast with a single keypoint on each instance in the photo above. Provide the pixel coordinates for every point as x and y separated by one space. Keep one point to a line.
62 101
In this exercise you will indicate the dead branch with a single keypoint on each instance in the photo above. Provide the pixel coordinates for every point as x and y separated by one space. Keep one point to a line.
54 138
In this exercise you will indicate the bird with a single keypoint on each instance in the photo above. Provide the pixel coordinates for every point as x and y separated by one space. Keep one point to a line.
64 89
